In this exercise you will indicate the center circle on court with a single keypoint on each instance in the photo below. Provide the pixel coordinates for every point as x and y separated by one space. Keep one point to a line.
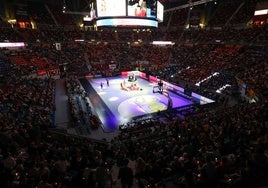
141 105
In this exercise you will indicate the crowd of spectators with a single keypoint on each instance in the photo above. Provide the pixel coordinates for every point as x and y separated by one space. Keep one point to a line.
224 147
189 61
209 146
215 148
26 101
82 117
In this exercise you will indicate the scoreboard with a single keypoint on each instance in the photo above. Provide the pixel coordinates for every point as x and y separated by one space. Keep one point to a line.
127 13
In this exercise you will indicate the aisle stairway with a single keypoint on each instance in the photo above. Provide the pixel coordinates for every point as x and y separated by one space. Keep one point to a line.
62 115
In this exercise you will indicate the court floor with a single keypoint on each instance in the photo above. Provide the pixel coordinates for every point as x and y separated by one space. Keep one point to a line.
117 101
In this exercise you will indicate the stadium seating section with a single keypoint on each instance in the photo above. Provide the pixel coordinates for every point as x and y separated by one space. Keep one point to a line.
219 145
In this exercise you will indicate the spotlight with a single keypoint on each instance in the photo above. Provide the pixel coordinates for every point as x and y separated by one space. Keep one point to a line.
64 6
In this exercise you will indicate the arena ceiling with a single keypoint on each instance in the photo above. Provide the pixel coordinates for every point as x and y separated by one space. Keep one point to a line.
82 4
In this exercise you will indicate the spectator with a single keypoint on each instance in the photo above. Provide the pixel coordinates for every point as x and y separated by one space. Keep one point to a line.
125 175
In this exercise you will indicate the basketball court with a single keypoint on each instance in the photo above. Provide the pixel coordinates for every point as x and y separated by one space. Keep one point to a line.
118 100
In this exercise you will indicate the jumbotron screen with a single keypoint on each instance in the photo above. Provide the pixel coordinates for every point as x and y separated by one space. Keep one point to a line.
128 13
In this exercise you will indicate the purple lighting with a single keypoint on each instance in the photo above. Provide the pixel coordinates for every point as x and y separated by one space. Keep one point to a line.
117 103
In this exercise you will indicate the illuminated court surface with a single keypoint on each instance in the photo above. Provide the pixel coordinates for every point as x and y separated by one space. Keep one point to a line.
120 101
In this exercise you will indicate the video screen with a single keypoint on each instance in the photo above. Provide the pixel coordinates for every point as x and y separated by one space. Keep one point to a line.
111 8
160 12
142 8
127 13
